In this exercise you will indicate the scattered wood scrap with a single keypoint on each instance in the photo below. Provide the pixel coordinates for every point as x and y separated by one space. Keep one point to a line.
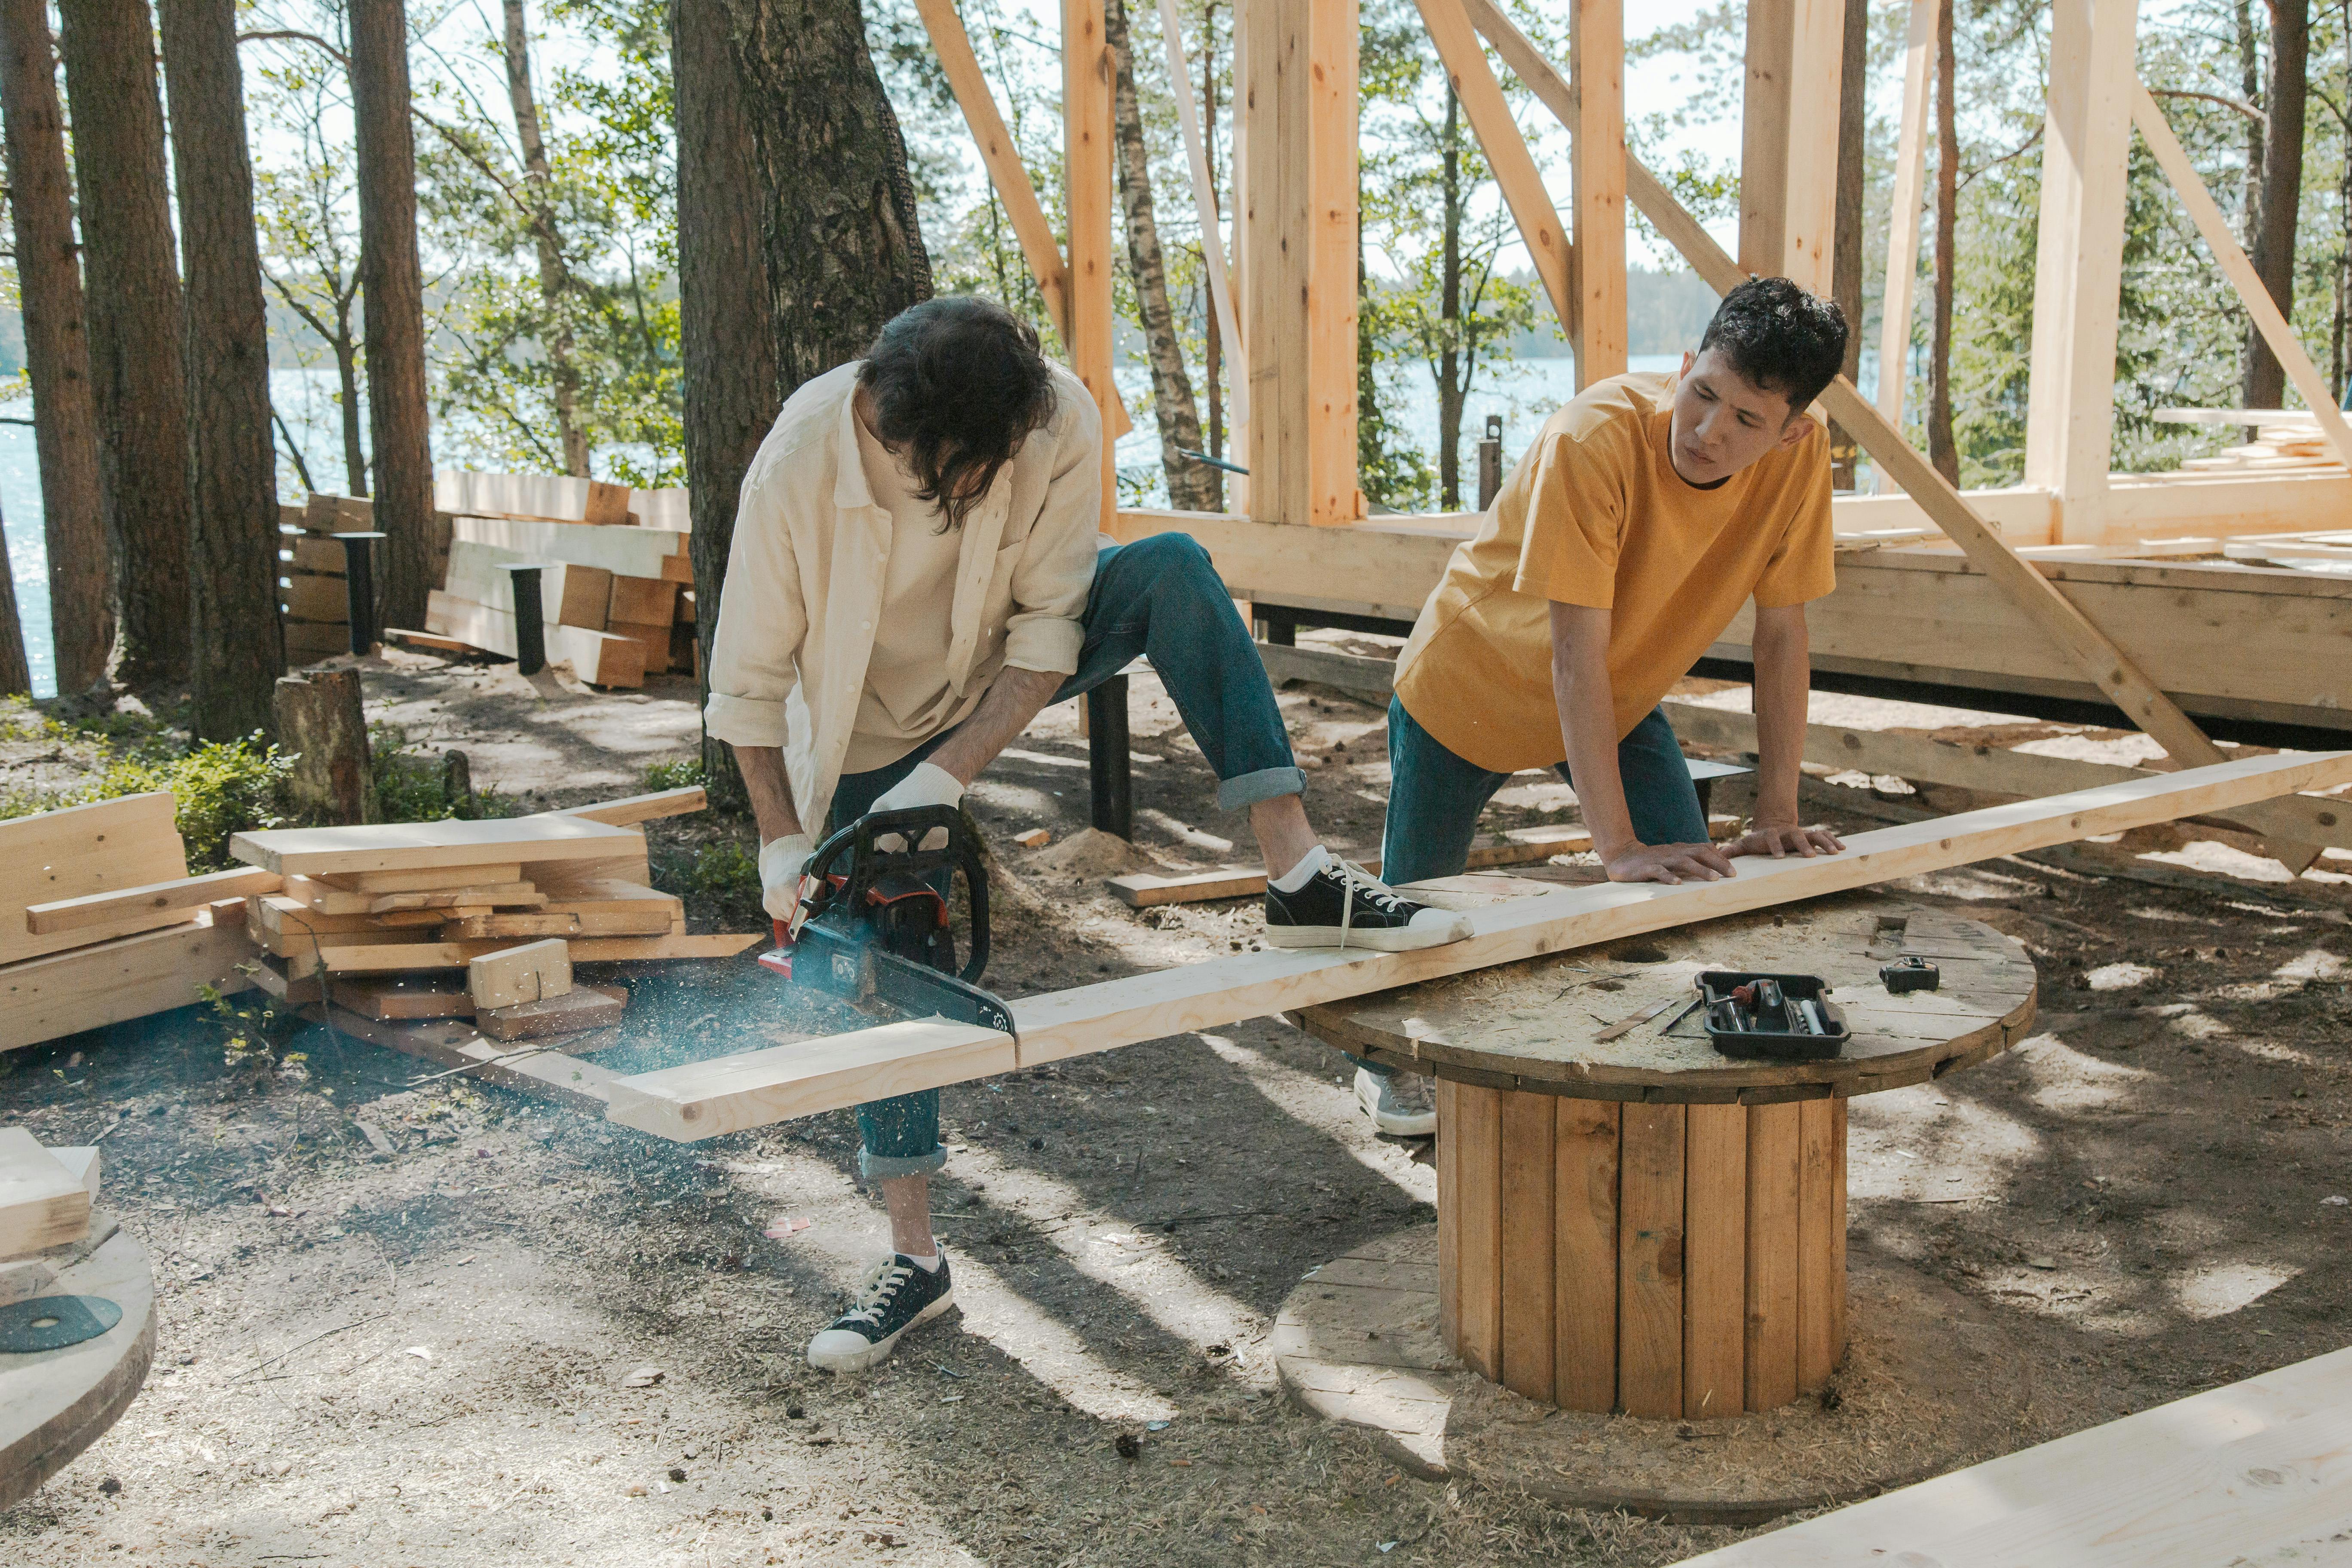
44 1200
756 1088
535 972
586 1007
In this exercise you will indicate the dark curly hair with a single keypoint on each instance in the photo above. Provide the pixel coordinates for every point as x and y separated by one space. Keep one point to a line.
958 382
1780 337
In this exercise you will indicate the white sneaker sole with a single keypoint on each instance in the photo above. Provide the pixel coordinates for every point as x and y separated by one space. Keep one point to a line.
879 1351
1422 1126
1376 940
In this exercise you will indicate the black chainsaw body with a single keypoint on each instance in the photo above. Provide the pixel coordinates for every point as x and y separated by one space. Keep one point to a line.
876 929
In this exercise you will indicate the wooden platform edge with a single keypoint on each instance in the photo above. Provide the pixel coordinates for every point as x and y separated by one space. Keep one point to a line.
756 1088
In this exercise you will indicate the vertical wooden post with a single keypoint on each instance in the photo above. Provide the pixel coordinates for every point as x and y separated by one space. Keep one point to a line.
1597 262
1086 169
1821 1282
1238 489
1449 1213
1903 219
1298 248
1714 1262
1771 1348
1838 1321
1788 156
1528 1182
1650 1262
2078 275
1584 1254
1477 1214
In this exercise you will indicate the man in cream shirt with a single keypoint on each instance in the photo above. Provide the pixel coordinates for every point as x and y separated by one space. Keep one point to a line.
916 572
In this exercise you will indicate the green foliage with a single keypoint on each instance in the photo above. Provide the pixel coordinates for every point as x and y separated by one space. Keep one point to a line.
684 772
412 784
723 885
223 787
253 1030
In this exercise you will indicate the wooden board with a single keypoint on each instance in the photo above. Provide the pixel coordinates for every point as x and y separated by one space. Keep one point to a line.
103 912
425 879
413 845
1714 1262
652 638
72 853
320 557
1770 1352
1821 1264
642 600
1519 847
1477 1132
1586 1135
382 954
636 808
2250 1472
42 1205
588 1007
651 914
324 897
307 596
761 1087
394 997
600 658
1529 1177
511 977
129 977
544 1073
1650 1262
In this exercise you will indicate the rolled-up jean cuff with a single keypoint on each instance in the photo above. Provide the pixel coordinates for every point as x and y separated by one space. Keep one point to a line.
876 1167
1378 1070
1266 783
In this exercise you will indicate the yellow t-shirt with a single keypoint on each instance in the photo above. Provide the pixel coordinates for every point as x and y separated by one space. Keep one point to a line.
1595 515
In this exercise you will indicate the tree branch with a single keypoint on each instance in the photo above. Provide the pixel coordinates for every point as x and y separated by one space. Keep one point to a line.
2248 110
288 34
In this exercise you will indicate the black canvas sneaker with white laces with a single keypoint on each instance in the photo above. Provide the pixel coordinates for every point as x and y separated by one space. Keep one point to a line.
1343 905
897 1296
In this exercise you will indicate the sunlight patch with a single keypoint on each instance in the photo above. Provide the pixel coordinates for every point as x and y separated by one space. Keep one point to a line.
2226 1288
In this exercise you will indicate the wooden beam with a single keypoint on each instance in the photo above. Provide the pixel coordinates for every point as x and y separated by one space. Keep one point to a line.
757 1088
1205 202
1903 219
1506 152
1333 260
1789 140
95 910
636 808
1001 156
2241 272
2303 818
408 845
113 981
1597 259
2078 259
1087 174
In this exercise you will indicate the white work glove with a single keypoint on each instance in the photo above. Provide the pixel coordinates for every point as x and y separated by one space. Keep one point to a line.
928 784
780 862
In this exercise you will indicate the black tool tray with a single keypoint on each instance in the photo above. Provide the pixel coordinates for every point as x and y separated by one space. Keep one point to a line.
1718 985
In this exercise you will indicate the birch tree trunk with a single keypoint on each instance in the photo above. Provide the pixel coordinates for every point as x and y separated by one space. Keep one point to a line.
1178 416
56 349
239 644
727 329
391 298
1943 449
15 671
2282 199
837 228
134 329
555 277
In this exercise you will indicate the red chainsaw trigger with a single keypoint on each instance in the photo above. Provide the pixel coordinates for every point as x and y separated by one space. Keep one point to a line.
780 959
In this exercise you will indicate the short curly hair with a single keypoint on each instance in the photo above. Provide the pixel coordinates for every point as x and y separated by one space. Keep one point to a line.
957 383
1780 338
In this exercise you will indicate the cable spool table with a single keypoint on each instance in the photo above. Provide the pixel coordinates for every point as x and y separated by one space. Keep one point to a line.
1641 1224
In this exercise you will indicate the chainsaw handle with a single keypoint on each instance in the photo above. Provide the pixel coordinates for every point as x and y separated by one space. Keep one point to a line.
854 842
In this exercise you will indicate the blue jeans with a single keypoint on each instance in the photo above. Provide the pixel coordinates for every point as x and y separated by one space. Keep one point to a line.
1435 796
1161 599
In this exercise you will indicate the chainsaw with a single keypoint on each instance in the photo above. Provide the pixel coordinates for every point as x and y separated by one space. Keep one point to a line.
873 926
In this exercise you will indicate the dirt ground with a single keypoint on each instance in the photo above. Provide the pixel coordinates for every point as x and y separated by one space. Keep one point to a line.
527 1337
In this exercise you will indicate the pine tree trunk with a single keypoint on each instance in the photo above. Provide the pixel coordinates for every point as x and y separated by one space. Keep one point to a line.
134 329
391 288
238 643
2273 247
56 349
16 672
347 378
1845 247
539 183
321 720
838 230
727 331
1943 450
1449 316
1178 416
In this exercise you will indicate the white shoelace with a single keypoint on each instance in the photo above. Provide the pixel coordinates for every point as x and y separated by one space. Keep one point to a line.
1353 878
874 1296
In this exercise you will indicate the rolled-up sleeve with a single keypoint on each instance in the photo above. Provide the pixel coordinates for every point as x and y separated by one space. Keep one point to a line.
1057 568
762 622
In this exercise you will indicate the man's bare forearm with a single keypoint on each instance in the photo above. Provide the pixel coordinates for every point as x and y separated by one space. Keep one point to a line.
1014 700
1588 723
1783 682
770 788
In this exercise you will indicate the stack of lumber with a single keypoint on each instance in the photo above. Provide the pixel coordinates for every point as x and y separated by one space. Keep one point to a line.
395 900
45 1202
615 568
101 921
312 599
2286 440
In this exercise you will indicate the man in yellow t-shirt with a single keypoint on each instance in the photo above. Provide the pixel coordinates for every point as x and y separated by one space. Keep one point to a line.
1648 511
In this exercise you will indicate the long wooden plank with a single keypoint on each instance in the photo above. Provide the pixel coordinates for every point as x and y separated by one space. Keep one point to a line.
1902 221
1529 1178
1585 1135
2140 1462
1772 1163
1506 148
1650 1263
2283 345
1521 847
1714 1261
2100 658
112 981
1478 1219
1086 173
1820 1263
382 953
409 846
96 910
546 1074
762 1086
631 809
2310 819
1597 256
1204 204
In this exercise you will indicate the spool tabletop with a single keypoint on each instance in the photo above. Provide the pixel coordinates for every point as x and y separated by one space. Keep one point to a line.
1639 1223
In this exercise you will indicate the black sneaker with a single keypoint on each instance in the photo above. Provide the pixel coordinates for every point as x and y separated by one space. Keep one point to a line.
897 1296
1343 905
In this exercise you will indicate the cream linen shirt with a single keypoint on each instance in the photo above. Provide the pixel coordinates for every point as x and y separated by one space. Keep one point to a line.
807 572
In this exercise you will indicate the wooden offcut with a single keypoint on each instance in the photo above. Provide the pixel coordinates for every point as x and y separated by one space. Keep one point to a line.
80 851
588 1007
534 972
97 914
42 1204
